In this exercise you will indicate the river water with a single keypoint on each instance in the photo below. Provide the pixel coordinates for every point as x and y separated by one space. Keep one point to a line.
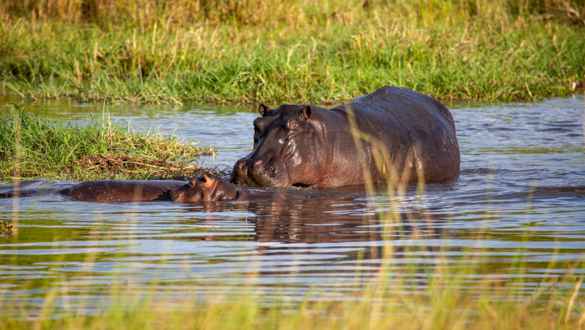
521 194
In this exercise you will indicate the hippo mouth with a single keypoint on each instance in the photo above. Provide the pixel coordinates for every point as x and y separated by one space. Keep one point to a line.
259 172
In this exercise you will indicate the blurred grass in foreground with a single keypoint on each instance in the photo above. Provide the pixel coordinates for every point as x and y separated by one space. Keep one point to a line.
432 296
295 51
34 147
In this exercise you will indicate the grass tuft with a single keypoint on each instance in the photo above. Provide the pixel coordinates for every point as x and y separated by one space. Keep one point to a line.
33 147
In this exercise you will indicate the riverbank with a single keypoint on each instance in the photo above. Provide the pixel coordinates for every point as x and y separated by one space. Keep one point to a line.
35 147
300 53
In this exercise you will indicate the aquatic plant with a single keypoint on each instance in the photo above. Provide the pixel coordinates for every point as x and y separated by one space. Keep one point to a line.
7 227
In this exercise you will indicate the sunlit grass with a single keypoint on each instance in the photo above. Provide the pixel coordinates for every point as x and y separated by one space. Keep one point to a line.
295 52
35 147
419 296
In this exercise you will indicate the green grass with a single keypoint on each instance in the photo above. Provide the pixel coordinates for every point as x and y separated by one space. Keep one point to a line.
34 147
292 52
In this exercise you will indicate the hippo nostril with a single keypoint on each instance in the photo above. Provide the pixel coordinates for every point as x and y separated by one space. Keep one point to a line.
240 167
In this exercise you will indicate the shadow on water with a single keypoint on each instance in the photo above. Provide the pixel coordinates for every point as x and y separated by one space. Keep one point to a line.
521 194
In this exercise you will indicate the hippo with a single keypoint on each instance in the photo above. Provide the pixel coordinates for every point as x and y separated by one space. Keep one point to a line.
113 191
213 187
205 188
99 191
393 133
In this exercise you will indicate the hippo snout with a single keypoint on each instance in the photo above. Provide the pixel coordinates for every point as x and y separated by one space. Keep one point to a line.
260 172
240 173
178 194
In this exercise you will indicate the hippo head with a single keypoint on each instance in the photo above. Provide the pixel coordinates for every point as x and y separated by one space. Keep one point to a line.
287 149
205 188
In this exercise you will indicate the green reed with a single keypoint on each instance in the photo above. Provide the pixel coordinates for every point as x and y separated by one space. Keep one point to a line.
34 147
297 51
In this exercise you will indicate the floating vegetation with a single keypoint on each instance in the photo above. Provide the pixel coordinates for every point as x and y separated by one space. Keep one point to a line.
7 227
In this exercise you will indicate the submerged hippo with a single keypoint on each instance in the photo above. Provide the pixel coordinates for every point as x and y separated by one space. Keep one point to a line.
215 188
393 133
205 188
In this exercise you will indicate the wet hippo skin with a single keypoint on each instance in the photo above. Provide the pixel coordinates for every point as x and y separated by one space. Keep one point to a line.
111 191
205 188
398 134
99 191
210 187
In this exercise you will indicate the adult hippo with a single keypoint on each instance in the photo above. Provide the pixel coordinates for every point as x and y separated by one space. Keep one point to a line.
393 133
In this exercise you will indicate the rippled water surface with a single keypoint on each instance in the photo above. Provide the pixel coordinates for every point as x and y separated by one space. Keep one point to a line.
521 193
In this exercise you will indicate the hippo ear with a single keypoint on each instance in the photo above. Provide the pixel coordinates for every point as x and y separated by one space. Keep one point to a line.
307 112
208 180
192 183
263 109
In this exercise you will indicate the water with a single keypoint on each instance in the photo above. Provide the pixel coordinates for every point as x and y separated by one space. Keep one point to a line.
521 193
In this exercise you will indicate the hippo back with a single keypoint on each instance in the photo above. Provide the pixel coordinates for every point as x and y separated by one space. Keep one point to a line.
417 131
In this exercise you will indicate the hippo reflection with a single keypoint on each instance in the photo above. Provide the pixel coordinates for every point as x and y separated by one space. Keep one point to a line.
333 216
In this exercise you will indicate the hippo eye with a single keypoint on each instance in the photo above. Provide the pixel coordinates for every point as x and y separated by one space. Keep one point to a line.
291 125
